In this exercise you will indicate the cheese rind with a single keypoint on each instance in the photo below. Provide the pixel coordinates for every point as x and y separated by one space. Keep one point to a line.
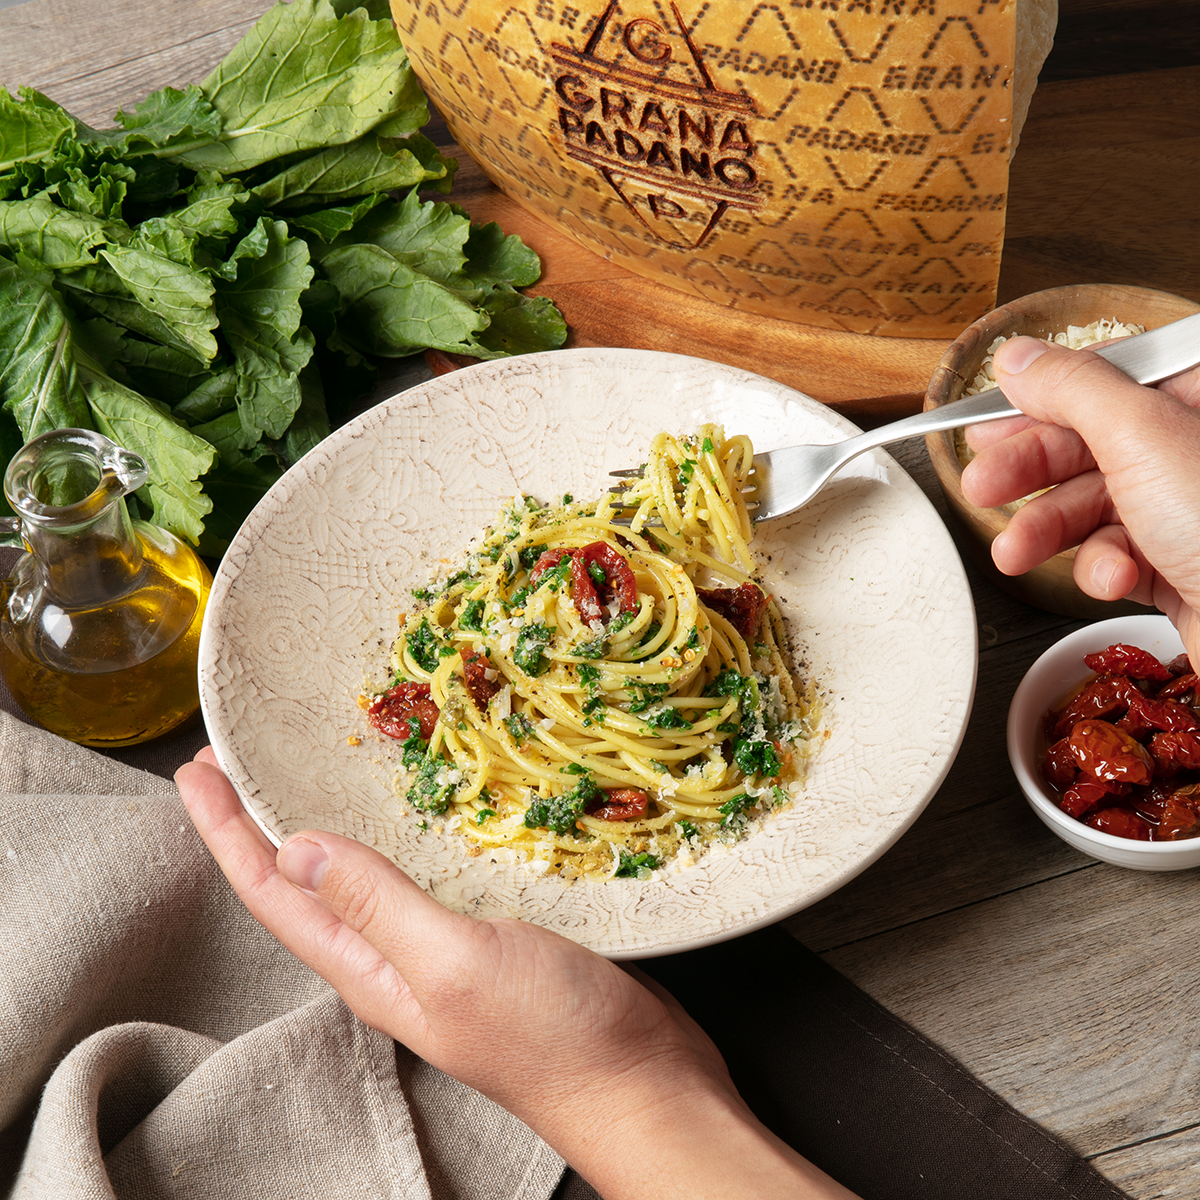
840 163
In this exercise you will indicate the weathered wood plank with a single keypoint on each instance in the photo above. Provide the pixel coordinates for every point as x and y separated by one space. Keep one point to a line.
1107 37
1160 1168
1077 1000
1109 200
94 58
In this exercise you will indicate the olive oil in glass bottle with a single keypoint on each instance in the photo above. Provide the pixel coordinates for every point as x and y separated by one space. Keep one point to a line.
100 620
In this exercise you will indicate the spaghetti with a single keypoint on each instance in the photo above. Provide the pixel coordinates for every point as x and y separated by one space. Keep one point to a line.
600 688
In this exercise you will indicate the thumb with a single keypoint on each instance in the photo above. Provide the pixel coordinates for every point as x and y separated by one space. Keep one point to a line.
1122 422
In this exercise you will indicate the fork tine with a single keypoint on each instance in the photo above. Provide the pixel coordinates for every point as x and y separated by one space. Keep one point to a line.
632 473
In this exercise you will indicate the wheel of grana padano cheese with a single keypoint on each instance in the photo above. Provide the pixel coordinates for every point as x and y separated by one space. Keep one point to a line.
839 163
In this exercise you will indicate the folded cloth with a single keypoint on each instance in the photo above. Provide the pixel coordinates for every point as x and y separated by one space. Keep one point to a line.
183 1052
156 1041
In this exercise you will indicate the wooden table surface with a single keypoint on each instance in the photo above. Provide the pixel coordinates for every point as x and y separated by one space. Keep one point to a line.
1069 986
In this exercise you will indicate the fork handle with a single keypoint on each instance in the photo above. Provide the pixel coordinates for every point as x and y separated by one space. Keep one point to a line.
1145 358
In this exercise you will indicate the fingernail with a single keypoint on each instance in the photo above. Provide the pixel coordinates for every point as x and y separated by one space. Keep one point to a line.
1017 353
302 863
1104 570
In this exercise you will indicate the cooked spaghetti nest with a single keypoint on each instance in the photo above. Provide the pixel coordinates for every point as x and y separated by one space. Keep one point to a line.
558 718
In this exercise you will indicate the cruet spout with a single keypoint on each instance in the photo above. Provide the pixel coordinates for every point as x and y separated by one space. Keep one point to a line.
68 477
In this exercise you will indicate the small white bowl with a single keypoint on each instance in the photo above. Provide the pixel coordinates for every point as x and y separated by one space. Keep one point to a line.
1045 684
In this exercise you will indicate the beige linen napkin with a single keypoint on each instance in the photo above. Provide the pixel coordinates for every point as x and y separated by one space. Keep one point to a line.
156 1042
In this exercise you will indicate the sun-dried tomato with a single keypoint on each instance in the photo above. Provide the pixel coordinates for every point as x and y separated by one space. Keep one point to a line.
593 602
392 712
1180 815
1102 697
1148 802
1058 766
1182 685
1182 749
547 561
475 669
1134 735
620 804
1169 716
1106 752
1121 659
742 606
1086 793
1120 822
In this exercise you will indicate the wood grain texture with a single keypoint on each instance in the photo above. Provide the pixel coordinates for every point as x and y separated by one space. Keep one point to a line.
1104 186
1082 1014
1113 37
96 58
1155 1167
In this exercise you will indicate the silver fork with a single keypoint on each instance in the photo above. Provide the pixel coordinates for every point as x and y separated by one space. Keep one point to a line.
785 480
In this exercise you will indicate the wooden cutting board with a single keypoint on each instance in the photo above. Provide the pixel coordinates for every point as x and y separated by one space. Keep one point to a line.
1102 190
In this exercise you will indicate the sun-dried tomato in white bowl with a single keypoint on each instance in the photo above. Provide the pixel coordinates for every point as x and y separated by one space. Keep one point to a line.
1047 685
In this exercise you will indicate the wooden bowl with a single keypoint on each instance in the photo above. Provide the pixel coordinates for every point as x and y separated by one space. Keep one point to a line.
1050 586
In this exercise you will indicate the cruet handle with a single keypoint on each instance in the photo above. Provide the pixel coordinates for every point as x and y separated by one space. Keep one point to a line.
10 533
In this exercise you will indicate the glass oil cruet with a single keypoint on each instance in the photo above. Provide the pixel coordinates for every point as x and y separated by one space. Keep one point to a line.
100 620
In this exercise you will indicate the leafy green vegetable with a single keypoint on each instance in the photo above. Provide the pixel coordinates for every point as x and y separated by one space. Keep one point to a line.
559 813
531 641
31 128
667 717
414 746
426 793
425 646
194 280
530 554
735 810
632 866
648 695
302 78
756 758
471 617
519 727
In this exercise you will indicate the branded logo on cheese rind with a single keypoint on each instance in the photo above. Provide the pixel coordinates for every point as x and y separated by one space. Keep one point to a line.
840 162
638 105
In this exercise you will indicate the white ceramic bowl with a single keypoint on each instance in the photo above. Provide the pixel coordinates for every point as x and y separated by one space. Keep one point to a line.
304 608
1044 685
